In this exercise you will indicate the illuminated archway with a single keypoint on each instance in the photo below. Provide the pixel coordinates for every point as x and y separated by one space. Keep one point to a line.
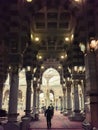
51 86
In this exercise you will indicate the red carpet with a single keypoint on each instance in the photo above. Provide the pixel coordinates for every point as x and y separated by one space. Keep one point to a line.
59 122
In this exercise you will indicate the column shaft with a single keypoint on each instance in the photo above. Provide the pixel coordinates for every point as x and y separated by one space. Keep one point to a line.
13 97
28 97
69 107
34 96
1 95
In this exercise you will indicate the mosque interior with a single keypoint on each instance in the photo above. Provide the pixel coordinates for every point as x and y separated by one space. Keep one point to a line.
49 56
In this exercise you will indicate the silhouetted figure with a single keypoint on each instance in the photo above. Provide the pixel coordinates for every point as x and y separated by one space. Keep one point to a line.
49 115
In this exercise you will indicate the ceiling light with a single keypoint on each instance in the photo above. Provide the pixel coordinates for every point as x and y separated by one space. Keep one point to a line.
40 57
66 38
32 36
42 67
93 44
62 57
29 0
59 67
28 68
36 39
77 0
72 36
82 47
75 68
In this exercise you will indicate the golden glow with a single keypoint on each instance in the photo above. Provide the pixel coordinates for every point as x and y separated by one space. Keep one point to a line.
36 39
75 68
72 36
80 68
62 57
67 39
34 70
28 68
40 57
93 44
77 0
59 67
32 37
68 78
29 0
34 79
82 47
42 67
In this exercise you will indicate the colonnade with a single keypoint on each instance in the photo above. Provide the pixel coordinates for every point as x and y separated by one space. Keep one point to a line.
69 101
73 100
74 97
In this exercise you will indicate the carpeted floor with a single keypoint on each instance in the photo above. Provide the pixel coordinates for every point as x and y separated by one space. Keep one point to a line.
59 122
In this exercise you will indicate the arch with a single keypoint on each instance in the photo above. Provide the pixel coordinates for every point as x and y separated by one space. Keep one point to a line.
51 86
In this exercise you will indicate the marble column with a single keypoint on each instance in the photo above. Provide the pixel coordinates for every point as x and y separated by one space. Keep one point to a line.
56 103
38 91
76 97
76 115
28 93
61 104
47 92
91 63
69 105
1 95
64 96
34 97
13 97
82 96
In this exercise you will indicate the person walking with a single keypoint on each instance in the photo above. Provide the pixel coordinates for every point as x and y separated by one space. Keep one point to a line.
48 115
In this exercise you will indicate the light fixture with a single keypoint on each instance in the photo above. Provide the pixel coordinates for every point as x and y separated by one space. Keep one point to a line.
75 68
80 68
93 44
82 47
39 57
72 36
34 70
29 0
28 68
42 67
67 39
9 67
62 57
78 1
68 78
36 39
59 67
34 79
32 37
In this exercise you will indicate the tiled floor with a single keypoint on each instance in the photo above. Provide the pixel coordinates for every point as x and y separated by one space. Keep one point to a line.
59 122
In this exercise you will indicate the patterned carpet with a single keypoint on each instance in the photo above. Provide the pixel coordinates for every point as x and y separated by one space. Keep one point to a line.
59 122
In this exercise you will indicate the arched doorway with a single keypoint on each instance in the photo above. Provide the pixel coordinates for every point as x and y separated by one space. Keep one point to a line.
51 87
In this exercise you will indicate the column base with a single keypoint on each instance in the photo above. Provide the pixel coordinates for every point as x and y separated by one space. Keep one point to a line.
25 123
35 117
65 113
12 117
27 112
76 117
12 126
86 125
